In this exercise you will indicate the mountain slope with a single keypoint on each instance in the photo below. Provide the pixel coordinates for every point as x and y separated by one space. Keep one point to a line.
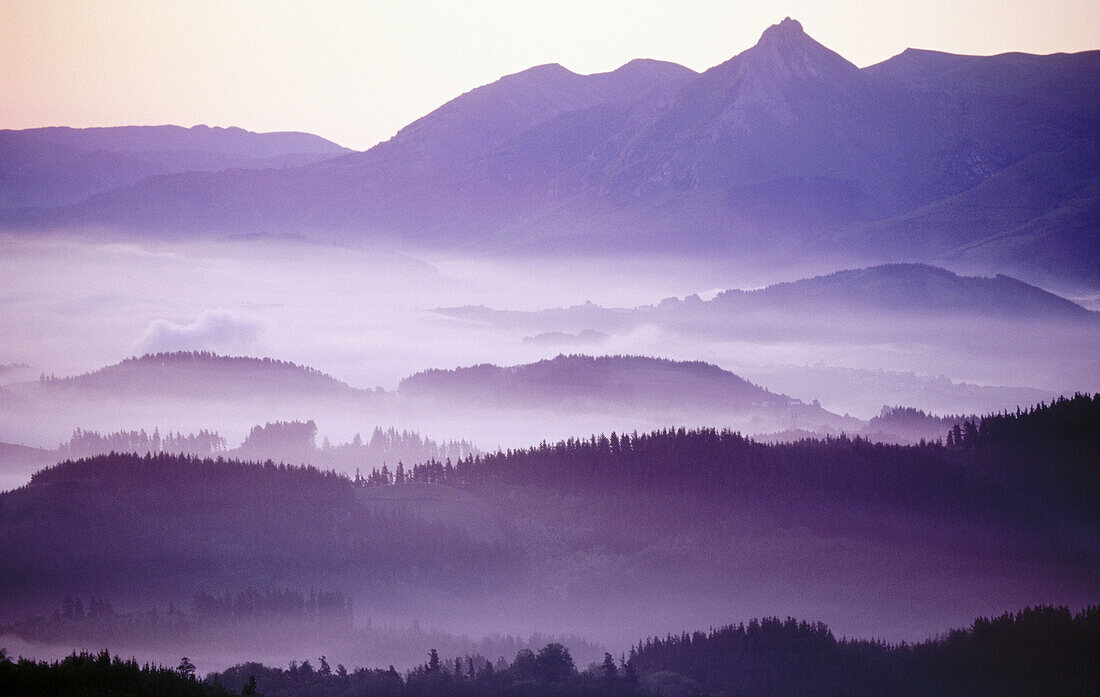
56 166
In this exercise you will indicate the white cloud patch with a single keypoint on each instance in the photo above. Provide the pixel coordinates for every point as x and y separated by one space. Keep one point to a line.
214 328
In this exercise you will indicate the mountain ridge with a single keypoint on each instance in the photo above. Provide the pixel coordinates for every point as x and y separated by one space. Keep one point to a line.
785 149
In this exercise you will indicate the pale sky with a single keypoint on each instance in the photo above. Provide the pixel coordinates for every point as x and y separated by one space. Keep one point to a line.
355 72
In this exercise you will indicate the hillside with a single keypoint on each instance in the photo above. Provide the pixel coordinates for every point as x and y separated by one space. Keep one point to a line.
200 374
615 383
178 524
57 166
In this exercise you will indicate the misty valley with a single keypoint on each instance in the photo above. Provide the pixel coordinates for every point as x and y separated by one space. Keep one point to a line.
779 378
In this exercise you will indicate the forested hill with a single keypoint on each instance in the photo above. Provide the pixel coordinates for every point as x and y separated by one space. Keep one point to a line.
177 522
202 374
1038 651
631 384
1040 461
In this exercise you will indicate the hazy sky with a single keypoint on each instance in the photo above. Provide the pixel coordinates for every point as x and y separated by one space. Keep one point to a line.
355 72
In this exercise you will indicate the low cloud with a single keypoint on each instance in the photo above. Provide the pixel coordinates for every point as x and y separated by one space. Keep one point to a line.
214 328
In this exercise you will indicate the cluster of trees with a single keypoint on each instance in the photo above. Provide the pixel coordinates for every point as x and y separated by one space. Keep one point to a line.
549 672
390 446
712 468
297 441
100 622
331 607
911 424
83 674
1072 421
1046 455
1040 650
86 443
97 620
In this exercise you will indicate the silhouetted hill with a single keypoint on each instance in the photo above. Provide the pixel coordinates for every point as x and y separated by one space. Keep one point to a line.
201 375
906 293
579 382
912 290
55 166
1048 650
133 526
785 148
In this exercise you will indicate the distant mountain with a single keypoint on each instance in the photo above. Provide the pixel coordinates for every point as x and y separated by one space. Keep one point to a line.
58 166
477 123
616 383
864 392
909 291
785 149
201 375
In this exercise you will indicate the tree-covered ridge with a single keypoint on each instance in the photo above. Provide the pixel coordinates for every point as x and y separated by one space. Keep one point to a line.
1040 650
201 373
1054 447
101 675
225 522
97 620
1049 454
87 443
619 378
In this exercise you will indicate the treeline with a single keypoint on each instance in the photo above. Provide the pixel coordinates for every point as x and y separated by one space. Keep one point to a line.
203 375
176 358
86 675
1042 650
911 424
98 621
297 441
87 443
1046 456
288 441
549 672
205 522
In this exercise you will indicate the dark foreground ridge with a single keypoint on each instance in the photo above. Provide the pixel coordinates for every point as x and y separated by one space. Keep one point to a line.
1041 650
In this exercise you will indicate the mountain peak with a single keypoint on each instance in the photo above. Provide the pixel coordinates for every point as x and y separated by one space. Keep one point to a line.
785 50
787 26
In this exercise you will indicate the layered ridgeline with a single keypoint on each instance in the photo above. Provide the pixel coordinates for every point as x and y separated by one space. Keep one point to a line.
670 525
997 330
906 294
608 392
1047 650
58 166
657 391
787 146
